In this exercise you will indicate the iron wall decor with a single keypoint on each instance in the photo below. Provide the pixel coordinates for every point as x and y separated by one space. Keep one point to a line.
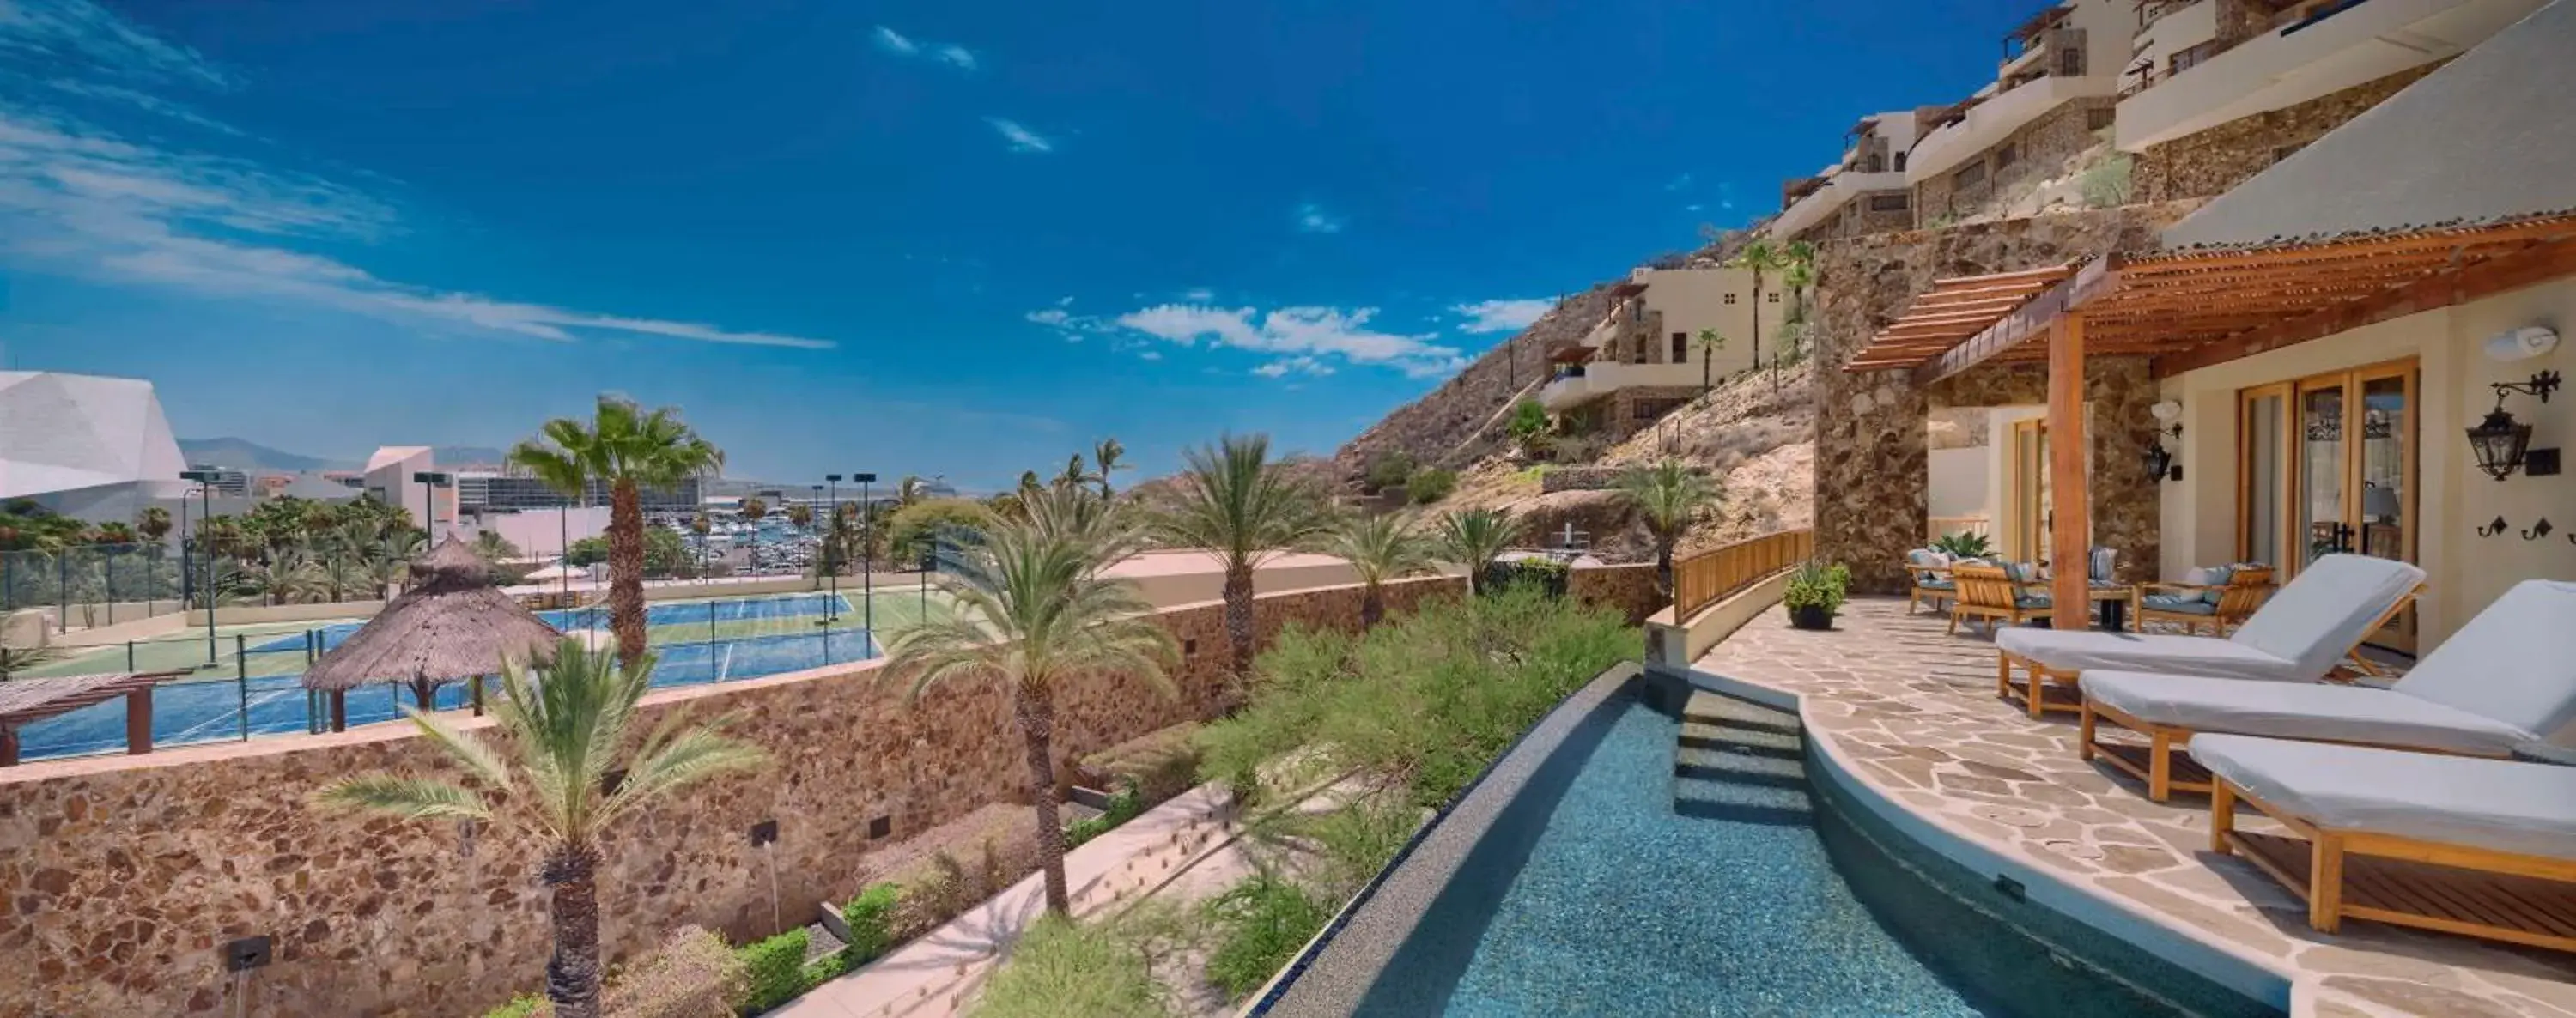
2492 529
2501 443
2537 531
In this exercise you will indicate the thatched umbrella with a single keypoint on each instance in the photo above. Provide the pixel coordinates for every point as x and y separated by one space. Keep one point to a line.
451 624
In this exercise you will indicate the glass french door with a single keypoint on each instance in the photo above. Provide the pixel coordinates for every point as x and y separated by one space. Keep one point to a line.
2027 533
2326 465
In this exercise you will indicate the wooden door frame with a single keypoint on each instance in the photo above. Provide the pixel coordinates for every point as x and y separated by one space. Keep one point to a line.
2292 536
2027 536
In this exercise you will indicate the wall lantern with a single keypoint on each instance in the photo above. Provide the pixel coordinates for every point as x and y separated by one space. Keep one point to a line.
2503 444
2160 460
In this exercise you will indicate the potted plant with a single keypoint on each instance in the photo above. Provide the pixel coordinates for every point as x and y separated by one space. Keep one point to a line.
1815 594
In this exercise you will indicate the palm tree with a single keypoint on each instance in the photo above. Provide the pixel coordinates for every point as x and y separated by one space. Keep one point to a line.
800 515
628 449
1232 500
1379 548
1108 457
909 490
1710 344
1667 496
701 526
153 523
547 778
1474 538
1034 608
1076 474
1798 274
753 510
1759 256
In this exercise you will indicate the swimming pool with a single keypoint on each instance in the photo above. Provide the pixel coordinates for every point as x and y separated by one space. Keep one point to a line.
671 613
1621 861
231 709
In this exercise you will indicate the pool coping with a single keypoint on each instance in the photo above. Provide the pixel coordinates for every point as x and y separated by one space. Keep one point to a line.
2242 971
1427 862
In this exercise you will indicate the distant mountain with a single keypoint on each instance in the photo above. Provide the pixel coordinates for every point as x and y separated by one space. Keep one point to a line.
242 454
455 455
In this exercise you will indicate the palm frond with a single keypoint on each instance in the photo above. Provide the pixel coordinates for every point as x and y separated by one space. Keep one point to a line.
410 798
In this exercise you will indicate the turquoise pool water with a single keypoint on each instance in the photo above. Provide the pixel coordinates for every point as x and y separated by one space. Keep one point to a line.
1649 867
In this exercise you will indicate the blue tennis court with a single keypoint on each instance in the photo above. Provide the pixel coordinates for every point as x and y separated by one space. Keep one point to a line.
219 710
673 613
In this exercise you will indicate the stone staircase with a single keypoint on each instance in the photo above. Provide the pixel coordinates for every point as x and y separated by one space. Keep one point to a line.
1741 761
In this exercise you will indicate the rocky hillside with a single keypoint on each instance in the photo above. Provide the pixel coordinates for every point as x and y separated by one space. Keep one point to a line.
1459 421
1754 434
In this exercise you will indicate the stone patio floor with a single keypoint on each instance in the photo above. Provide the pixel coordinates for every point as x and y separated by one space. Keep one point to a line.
1915 711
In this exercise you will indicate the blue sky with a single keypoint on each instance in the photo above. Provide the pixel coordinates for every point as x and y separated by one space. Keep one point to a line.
907 238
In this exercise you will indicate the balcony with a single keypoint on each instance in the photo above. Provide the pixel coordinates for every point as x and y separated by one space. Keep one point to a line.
2317 53
1819 206
1995 119
1578 386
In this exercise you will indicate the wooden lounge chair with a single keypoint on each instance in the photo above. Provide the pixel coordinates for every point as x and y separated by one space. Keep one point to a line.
2300 634
2221 607
1932 584
2507 677
2483 848
1996 594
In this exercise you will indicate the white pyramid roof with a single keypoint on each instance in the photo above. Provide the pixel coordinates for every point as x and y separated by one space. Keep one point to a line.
62 433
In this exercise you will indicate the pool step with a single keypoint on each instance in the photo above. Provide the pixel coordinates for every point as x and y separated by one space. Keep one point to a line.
1739 761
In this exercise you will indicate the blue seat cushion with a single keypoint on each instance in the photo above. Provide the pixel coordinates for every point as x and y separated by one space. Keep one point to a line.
2186 604
2030 601
1935 584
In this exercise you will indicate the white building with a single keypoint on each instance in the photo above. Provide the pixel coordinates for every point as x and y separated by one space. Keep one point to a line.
86 446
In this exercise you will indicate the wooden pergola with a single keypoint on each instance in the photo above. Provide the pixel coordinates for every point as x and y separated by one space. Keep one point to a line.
2196 307
26 701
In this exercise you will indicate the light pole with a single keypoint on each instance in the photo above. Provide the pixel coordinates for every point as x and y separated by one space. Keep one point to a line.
205 511
867 555
428 481
832 548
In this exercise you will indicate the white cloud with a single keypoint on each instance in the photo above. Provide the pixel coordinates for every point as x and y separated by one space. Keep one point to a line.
1198 295
1056 317
896 42
141 100
1022 139
83 34
1302 365
1503 315
83 201
1322 334
1677 183
1312 218
957 56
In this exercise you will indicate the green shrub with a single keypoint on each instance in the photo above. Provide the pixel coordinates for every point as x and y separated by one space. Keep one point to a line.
1359 839
1431 484
871 918
531 1005
1124 805
912 528
774 970
1817 585
1548 575
1426 699
2107 183
1262 923
1529 423
1388 470
1064 970
1160 764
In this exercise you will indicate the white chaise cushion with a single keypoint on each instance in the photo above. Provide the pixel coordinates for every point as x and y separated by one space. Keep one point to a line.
2515 662
2327 610
2526 808
2299 710
2071 650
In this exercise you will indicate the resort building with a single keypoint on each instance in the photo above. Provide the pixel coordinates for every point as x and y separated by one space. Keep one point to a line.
2379 386
1646 356
227 482
2054 89
2216 90
1864 193
86 446
389 476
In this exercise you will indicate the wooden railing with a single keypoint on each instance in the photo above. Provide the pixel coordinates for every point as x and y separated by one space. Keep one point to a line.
1702 579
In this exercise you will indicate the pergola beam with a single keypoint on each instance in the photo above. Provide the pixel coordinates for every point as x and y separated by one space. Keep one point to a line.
2523 268
2095 278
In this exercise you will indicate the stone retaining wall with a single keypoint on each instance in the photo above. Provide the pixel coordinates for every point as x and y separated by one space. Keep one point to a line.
2210 162
1578 479
123 876
1872 469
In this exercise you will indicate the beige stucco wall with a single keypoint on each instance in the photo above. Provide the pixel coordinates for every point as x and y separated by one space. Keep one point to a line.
1695 299
2466 571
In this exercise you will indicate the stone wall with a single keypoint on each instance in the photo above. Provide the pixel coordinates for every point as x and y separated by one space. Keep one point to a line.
1457 421
1579 478
2210 162
1858 219
1628 588
1872 473
124 875
2039 149
2118 426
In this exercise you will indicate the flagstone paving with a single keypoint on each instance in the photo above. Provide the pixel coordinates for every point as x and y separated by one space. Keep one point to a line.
1915 711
